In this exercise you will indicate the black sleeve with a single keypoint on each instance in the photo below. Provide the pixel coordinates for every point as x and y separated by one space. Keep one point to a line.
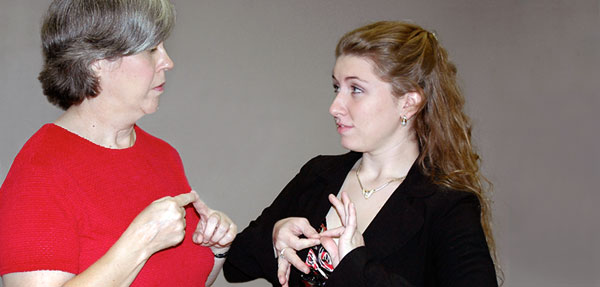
251 255
356 270
461 255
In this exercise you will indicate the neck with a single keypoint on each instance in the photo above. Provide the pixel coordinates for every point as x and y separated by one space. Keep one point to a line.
391 162
98 126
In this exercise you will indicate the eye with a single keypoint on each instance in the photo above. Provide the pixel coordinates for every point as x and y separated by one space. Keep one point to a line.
153 49
357 90
336 88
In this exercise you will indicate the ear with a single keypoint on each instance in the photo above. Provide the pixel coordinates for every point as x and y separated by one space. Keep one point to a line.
410 104
97 67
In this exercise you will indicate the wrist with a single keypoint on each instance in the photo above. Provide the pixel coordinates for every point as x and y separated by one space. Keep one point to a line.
135 241
221 255
127 254
220 252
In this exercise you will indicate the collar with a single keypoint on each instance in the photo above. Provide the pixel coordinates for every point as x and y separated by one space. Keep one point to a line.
416 184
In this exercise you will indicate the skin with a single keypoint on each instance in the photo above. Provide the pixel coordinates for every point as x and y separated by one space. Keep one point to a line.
368 118
130 88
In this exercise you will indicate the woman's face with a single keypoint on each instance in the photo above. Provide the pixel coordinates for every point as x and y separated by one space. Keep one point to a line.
133 84
367 114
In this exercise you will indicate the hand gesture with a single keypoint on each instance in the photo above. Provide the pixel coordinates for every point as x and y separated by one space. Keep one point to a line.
161 224
215 229
286 242
348 234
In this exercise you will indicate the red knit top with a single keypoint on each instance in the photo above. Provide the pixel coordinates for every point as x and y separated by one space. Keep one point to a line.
66 201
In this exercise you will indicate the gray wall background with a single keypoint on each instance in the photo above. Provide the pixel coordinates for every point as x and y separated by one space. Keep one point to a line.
246 106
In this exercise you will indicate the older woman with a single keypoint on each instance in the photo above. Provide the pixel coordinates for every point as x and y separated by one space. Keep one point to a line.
407 206
92 199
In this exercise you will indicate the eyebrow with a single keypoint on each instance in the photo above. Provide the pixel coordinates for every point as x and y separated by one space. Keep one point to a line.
351 78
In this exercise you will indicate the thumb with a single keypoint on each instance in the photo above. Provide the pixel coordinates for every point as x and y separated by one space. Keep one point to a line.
332 249
309 231
336 232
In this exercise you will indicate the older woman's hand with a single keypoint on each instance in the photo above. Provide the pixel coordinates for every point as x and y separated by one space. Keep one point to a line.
286 242
348 234
215 229
161 224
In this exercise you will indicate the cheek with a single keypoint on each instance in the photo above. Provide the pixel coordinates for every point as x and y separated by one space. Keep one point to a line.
387 108
140 71
383 118
141 81
371 112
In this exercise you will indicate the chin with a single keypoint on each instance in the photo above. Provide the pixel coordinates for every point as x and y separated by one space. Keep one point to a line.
151 108
351 146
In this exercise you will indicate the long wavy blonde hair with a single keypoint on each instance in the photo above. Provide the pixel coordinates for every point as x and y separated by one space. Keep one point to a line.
411 59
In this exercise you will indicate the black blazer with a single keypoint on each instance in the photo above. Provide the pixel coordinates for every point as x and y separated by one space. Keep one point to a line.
424 235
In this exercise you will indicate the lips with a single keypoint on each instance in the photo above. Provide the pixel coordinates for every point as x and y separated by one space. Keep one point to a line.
341 127
339 123
160 87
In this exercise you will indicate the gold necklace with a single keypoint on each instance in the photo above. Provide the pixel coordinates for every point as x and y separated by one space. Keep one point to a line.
368 192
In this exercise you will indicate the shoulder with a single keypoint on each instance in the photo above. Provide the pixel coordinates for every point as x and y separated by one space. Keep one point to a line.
324 163
439 203
440 198
39 167
150 139
436 197
444 200
452 211
43 147
158 152
153 142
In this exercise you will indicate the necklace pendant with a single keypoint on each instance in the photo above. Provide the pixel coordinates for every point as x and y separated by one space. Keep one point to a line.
368 193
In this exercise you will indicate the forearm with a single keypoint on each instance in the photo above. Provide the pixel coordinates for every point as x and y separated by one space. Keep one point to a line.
118 267
357 270
214 273
220 256
251 257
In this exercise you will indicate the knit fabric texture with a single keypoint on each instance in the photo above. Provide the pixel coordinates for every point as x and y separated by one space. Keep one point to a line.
66 201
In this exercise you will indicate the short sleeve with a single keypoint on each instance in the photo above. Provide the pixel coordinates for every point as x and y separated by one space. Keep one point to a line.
38 229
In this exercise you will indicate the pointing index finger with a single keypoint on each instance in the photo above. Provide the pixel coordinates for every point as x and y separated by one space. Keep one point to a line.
185 198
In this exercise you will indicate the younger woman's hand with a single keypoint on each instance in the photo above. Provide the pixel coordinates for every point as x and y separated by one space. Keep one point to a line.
349 238
286 241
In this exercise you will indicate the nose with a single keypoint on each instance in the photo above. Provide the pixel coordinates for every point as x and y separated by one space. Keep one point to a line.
168 62
337 107
165 61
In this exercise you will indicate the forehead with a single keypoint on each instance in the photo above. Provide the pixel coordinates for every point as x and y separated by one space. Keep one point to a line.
349 66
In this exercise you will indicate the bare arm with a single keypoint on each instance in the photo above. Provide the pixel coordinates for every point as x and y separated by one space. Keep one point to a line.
215 271
160 225
107 271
